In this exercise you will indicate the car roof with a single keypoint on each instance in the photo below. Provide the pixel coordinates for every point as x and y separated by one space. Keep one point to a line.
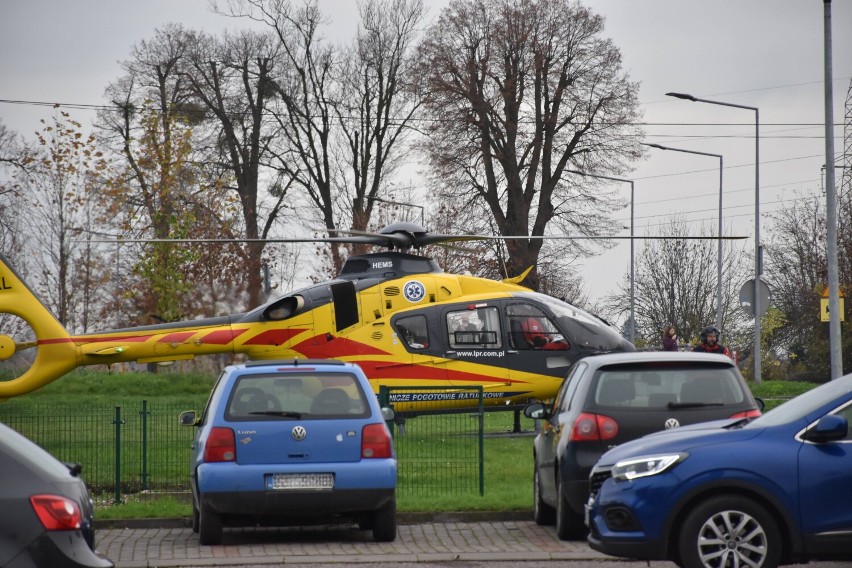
596 361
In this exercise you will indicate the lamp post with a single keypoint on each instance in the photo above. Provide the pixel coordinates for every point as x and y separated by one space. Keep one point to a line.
719 254
632 332
757 260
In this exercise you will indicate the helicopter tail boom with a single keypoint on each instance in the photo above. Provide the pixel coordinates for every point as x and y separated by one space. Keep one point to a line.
56 352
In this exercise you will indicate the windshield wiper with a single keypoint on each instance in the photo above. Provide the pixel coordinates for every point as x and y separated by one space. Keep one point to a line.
283 413
693 404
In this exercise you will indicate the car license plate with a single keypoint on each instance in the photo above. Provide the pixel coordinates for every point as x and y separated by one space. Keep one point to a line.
300 482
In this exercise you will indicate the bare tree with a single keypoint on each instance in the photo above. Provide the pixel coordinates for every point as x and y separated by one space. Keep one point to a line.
517 92
233 79
13 158
797 272
343 115
675 283
377 105
186 172
12 152
58 188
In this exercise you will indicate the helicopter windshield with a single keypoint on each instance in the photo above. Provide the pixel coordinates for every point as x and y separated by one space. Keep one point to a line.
583 328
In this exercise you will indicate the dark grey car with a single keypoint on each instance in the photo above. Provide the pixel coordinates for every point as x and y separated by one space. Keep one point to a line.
46 515
610 399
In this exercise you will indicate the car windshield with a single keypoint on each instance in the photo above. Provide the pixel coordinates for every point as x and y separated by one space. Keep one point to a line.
804 404
668 385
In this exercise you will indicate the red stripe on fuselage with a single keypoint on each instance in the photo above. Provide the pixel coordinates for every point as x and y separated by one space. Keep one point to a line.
55 340
176 337
222 336
321 347
273 337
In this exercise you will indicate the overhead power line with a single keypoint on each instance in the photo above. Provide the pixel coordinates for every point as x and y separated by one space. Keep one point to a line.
118 109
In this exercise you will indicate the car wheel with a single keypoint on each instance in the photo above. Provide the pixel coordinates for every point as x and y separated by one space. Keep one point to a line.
569 525
194 517
209 527
543 514
384 523
729 531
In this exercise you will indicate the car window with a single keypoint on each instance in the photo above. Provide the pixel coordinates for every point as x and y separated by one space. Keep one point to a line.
569 387
304 395
846 412
655 386
800 406
207 407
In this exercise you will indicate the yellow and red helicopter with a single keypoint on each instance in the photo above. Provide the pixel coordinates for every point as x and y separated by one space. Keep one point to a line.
399 316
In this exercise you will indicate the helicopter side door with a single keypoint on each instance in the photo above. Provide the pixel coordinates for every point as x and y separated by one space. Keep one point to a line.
534 343
475 344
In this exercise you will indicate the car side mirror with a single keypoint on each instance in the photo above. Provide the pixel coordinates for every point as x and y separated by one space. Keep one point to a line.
829 428
536 411
760 403
388 414
188 418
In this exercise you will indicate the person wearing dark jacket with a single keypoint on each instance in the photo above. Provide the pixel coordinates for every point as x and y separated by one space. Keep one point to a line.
710 342
670 339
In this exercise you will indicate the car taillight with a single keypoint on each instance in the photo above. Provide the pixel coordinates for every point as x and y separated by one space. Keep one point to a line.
376 441
57 513
593 428
220 446
747 414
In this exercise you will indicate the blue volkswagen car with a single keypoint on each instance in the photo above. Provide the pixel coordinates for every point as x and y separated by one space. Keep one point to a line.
292 443
754 492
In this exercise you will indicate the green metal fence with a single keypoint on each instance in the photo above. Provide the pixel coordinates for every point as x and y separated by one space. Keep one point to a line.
130 446
126 447
437 452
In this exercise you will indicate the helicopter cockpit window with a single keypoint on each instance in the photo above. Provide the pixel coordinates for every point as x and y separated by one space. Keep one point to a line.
413 331
530 328
479 327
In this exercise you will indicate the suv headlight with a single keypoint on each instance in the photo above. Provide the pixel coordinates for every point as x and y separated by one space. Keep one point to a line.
645 466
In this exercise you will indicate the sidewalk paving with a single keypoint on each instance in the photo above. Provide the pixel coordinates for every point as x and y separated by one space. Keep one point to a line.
420 538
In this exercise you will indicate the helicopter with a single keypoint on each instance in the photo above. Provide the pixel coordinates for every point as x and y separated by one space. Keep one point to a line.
398 315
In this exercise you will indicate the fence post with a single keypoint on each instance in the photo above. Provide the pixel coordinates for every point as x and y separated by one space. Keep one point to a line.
481 443
118 422
144 474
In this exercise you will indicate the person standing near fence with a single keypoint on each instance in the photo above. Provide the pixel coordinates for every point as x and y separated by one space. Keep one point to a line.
670 339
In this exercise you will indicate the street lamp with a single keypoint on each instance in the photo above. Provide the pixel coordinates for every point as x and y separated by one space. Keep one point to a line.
632 331
719 259
757 263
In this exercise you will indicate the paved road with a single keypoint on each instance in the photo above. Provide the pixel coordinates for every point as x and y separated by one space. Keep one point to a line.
435 542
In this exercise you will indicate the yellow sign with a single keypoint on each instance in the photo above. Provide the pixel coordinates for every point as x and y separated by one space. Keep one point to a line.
824 314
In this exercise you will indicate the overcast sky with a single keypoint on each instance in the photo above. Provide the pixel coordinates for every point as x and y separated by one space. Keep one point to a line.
767 54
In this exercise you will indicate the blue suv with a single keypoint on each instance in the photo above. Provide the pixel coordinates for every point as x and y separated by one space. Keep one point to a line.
773 490
292 443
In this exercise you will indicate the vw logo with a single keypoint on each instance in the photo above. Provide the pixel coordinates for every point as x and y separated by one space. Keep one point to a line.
670 423
299 433
413 291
